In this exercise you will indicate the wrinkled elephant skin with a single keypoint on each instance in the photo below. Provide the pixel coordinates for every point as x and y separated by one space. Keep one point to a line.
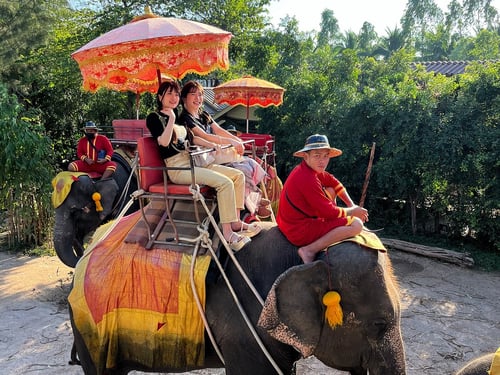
478 366
77 216
369 338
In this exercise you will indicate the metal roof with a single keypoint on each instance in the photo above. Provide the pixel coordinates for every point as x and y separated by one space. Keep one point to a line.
209 96
448 68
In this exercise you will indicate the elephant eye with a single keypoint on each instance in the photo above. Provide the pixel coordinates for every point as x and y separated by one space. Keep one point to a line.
377 328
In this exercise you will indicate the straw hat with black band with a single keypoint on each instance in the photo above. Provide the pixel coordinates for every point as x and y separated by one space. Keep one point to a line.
317 142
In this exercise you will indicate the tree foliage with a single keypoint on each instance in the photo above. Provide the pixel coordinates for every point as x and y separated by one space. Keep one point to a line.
436 162
25 172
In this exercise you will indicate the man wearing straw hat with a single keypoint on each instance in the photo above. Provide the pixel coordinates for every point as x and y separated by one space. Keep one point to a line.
94 153
308 215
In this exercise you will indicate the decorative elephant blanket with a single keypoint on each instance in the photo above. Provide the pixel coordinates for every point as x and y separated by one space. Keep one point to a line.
495 364
62 186
366 239
137 305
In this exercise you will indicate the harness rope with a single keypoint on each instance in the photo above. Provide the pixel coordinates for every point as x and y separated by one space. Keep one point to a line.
197 196
121 199
204 239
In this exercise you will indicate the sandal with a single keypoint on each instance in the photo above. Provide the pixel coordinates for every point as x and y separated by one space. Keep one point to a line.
236 242
264 202
263 212
252 230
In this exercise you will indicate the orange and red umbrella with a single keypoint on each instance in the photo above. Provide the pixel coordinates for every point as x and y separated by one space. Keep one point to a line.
132 57
249 91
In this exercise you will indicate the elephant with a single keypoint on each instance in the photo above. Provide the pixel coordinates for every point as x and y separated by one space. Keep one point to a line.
368 341
77 215
483 365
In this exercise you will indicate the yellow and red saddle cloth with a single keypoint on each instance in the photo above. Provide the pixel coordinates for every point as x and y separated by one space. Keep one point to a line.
137 305
62 186
367 239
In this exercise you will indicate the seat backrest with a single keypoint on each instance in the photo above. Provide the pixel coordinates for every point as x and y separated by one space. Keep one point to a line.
149 156
130 130
261 140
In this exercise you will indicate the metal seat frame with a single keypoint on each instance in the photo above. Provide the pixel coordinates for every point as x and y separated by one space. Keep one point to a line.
154 184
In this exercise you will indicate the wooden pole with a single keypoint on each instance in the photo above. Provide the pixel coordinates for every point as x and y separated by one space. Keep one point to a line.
367 176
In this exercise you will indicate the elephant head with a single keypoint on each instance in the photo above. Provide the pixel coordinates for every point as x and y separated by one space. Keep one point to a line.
78 215
483 365
369 339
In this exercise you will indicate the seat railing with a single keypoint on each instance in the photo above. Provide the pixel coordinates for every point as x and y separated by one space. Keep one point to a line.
154 184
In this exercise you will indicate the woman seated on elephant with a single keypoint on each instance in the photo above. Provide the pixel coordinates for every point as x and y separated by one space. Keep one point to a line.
308 215
203 126
228 182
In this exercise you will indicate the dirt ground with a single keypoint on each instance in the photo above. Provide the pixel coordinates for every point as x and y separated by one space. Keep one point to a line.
450 315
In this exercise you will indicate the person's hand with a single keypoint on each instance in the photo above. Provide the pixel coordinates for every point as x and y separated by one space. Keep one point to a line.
100 161
89 161
240 149
170 113
360 212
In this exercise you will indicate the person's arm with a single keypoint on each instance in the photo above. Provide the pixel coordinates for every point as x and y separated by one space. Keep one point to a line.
108 147
333 184
162 134
220 136
81 151
224 137
352 208
200 140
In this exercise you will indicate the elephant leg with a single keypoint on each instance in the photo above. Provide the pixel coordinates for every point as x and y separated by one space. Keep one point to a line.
74 356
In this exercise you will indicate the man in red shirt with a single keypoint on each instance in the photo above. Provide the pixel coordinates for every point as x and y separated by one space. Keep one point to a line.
308 215
94 153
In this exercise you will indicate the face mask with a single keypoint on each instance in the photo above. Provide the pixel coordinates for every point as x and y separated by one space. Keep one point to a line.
90 135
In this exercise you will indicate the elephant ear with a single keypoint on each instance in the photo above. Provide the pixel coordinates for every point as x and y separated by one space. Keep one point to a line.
293 312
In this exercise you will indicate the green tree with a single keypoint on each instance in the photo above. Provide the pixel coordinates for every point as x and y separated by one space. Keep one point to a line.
479 15
368 39
329 29
438 45
24 25
393 41
484 46
469 136
25 173
420 16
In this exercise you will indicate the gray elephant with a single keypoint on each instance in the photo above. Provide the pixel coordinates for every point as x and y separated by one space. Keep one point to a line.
77 215
369 340
482 365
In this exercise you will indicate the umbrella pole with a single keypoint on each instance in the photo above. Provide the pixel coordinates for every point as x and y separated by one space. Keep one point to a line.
248 108
137 97
158 75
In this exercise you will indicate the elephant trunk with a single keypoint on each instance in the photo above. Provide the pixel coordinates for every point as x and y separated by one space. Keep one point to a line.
388 357
64 234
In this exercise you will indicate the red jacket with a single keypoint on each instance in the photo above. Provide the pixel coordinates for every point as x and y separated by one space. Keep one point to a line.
101 142
306 212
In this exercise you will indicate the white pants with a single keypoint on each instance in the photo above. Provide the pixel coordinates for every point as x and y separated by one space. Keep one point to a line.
229 183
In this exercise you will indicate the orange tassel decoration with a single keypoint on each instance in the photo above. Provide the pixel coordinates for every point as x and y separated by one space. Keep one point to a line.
97 199
333 313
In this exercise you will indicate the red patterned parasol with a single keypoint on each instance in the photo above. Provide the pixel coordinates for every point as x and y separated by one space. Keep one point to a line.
133 56
249 91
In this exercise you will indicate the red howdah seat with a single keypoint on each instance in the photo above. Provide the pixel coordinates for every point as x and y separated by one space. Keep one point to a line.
155 184
128 131
261 146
